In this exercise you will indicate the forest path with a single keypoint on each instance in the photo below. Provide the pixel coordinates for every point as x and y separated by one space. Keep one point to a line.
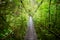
31 33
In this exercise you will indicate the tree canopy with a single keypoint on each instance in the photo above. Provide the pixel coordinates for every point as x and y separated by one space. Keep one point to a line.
14 15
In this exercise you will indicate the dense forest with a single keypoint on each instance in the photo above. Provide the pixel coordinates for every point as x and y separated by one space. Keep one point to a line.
14 16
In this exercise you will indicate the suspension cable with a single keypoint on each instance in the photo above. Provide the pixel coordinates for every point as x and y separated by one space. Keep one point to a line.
39 5
24 6
36 8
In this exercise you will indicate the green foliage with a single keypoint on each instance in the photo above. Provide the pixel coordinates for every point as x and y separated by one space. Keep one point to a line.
12 20
14 15
45 29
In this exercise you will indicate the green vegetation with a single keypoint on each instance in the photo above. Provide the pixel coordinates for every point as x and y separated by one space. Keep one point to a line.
14 15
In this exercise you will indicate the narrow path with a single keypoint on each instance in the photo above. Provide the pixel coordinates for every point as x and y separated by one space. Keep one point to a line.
31 33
